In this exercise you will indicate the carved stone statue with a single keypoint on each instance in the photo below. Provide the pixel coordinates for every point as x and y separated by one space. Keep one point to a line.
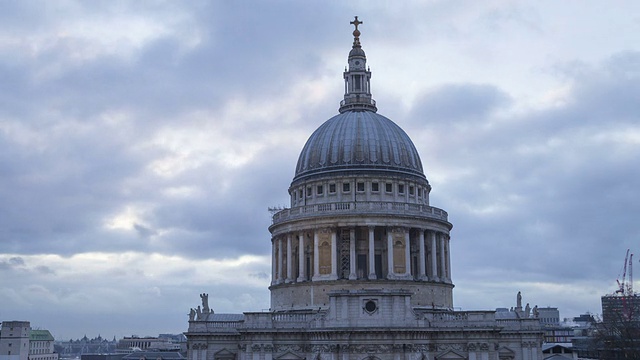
192 314
535 312
205 303
199 312
519 301
527 310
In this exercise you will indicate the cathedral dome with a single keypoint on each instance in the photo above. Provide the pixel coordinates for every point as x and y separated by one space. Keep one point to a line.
358 141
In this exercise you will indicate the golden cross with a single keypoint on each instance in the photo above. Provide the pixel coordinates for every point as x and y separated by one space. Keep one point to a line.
356 23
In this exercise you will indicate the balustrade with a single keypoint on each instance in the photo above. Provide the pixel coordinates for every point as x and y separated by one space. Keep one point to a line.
360 207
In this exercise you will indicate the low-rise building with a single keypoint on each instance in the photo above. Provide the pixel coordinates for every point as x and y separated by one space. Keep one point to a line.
19 342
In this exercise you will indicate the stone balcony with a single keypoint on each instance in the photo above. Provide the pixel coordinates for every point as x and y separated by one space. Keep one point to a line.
359 208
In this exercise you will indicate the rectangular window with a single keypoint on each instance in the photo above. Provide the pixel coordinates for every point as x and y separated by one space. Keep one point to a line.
332 188
346 187
308 191
300 193
375 187
412 190
360 186
295 195
400 188
388 187
419 192
320 189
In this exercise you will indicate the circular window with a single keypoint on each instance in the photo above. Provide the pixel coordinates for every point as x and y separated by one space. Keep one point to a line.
370 306
357 62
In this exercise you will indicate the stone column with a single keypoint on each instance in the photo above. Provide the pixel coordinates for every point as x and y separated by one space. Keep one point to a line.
334 254
352 254
289 260
280 263
407 252
443 271
448 258
274 258
372 254
316 256
390 272
301 258
434 258
421 257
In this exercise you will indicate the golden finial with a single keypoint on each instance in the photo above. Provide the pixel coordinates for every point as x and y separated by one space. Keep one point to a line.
356 32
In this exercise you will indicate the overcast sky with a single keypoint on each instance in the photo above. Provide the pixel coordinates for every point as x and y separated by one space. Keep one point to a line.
141 144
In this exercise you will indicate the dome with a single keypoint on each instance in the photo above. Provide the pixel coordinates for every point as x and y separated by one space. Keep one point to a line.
358 141
356 52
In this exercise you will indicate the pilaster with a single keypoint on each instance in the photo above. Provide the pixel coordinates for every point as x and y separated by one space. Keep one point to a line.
372 254
421 256
301 258
352 254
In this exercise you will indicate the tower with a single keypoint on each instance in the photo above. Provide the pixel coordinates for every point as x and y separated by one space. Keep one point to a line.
360 216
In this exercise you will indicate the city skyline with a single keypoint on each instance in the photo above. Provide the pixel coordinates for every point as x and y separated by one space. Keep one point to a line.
141 145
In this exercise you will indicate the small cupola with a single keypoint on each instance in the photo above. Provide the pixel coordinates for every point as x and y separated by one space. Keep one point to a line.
357 78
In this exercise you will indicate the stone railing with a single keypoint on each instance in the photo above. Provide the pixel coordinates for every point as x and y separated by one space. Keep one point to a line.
282 320
359 208
318 319
358 100
465 319
214 326
519 324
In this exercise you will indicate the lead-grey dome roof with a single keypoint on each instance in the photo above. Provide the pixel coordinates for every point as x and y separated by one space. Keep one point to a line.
358 141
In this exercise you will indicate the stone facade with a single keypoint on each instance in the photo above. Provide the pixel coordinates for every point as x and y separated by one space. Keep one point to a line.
360 261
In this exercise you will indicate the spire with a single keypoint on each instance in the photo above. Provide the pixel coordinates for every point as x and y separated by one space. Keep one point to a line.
357 91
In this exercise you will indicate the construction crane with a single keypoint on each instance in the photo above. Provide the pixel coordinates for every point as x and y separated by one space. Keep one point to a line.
625 288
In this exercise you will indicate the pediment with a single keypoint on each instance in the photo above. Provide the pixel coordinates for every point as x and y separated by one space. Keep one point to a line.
505 353
289 356
449 354
225 354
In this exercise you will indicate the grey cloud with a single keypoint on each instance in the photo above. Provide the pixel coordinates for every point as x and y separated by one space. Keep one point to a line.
12 263
143 231
458 103
558 208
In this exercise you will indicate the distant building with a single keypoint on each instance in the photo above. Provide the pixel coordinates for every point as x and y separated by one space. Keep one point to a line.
549 316
19 342
41 345
14 340
75 348
616 308
132 344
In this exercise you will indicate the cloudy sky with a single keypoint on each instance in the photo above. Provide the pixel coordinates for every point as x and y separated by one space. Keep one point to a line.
141 144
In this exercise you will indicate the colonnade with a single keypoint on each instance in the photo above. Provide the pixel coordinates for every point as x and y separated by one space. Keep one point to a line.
378 253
